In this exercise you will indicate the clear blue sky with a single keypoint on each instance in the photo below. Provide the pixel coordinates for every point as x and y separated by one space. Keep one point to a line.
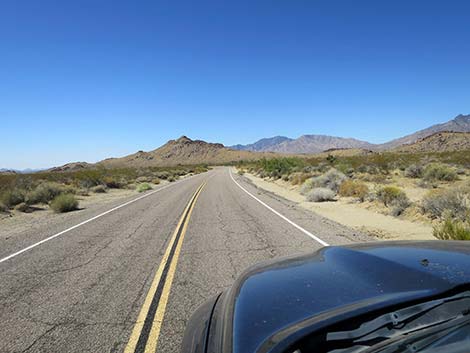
85 80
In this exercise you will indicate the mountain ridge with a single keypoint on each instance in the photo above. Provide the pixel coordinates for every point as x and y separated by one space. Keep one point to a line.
318 143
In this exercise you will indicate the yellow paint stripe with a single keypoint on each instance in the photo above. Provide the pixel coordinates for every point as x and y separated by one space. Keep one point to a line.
134 338
152 341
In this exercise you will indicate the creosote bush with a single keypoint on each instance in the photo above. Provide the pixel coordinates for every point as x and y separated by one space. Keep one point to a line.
390 194
452 229
11 198
351 188
156 181
320 195
44 193
440 172
143 187
64 203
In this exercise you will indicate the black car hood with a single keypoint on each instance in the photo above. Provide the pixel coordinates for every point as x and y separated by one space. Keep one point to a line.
274 300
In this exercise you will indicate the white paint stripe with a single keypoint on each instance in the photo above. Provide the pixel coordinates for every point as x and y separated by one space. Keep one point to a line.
314 237
91 219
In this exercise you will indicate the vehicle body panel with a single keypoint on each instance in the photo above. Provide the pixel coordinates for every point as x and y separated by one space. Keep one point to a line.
276 303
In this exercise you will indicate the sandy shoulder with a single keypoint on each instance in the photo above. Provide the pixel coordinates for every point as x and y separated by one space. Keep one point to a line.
17 222
351 215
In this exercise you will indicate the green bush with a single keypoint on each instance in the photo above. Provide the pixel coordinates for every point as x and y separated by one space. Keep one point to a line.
390 194
64 203
454 203
11 198
452 230
351 188
44 193
436 171
143 187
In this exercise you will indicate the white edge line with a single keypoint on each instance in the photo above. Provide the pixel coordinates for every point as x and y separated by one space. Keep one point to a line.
314 237
91 219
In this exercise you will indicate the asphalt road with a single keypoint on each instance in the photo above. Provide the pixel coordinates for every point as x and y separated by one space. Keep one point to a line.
157 258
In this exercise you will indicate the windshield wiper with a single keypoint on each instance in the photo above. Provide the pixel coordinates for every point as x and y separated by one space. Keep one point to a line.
439 313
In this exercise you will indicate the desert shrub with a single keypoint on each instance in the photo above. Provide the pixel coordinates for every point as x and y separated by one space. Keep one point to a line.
351 188
461 171
156 181
112 183
82 192
298 178
171 179
320 195
143 187
390 194
99 189
399 205
64 203
164 175
11 198
23 207
307 186
453 202
277 166
414 171
331 180
436 171
44 193
240 172
452 230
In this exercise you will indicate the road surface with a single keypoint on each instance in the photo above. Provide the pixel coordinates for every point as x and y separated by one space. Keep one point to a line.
127 277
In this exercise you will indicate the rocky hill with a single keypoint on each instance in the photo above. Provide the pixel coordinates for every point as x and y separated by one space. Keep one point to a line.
439 142
460 123
183 151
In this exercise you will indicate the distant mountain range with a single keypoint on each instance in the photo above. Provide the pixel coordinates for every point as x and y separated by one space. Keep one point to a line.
452 135
320 143
18 171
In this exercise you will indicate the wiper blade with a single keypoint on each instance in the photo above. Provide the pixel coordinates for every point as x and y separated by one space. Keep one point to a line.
421 339
395 320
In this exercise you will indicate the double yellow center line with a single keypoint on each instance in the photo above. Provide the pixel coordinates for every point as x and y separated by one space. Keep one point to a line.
144 337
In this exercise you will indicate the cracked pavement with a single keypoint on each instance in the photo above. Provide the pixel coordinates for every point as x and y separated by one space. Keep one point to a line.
82 291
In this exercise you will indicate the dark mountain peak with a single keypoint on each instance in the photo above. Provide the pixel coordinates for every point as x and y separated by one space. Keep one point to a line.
183 139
